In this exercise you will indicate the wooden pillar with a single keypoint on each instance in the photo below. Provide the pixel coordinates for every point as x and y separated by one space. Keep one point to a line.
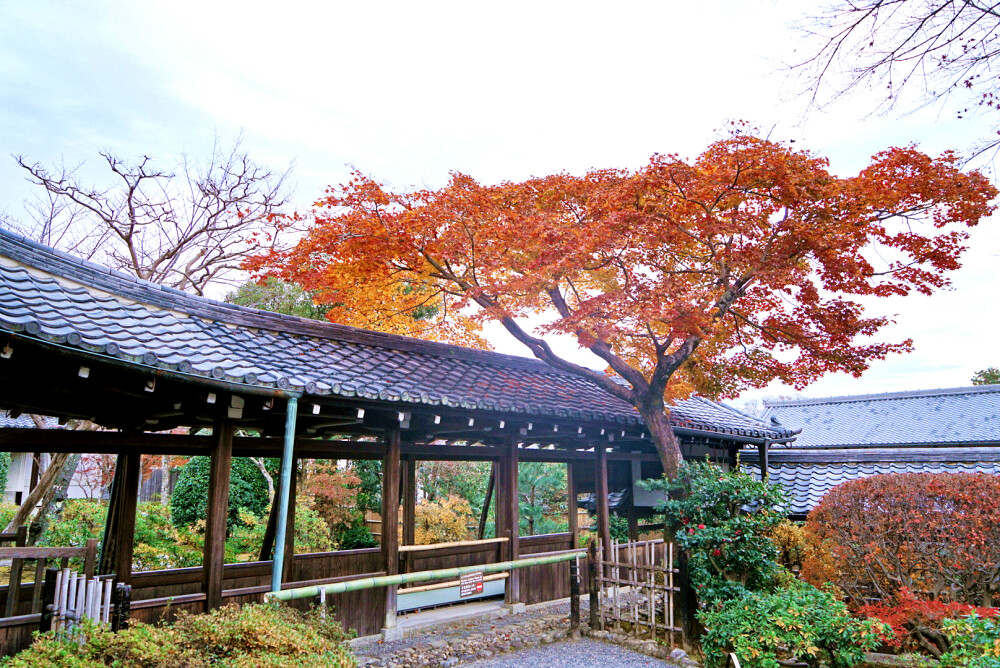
512 518
633 520
390 525
119 529
490 485
293 486
409 500
217 512
601 495
764 465
573 523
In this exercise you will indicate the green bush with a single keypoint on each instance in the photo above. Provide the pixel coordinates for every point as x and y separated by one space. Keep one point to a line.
252 636
724 521
7 512
975 642
799 622
354 535
4 471
247 490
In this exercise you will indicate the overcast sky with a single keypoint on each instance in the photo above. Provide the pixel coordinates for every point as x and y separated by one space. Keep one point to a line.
409 91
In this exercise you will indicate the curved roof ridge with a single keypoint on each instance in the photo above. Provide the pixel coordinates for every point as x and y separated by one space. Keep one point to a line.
142 291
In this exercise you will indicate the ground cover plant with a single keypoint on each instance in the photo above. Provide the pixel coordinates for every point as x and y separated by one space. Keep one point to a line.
749 603
251 636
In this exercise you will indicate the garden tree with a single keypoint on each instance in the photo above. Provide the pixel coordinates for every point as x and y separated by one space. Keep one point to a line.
247 491
938 49
717 274
988 376
541 497
187 228
277 296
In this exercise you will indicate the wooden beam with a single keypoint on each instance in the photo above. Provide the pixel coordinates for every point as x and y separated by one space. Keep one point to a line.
216 514
390 519
601 497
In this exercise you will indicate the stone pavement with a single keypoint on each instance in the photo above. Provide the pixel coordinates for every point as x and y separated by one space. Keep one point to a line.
494 634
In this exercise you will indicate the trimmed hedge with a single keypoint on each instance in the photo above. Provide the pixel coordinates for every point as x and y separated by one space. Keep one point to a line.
247 490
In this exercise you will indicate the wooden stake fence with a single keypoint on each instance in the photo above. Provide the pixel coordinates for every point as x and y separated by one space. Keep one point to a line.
629 588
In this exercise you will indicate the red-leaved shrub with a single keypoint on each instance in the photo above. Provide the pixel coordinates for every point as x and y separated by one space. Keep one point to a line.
937 535
917 624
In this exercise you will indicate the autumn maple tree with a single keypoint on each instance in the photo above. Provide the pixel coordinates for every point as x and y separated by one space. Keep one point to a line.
713 275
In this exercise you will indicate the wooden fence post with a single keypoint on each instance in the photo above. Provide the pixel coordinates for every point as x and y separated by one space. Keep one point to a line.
16 568
574 597
48 599
122 600
594 587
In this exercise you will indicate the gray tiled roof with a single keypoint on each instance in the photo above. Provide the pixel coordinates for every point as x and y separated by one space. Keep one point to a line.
807 482
89 308
24 421
949 416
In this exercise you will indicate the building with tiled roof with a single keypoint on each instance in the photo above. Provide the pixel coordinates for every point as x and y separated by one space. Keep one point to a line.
842 438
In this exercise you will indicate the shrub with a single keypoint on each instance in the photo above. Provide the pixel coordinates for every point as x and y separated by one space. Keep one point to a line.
800 622
247 489
937 534
975 643
790 540
442 522
919 625
723 520
4 471
252 636
353 536
7 512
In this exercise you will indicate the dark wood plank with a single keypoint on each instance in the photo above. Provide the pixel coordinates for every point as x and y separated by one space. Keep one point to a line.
573 517
512 517
125 531
601 495
216 513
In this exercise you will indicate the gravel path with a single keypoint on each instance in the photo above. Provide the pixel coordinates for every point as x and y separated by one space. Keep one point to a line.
582 653
462 628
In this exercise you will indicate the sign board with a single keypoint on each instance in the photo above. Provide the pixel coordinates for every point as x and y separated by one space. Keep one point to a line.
471 584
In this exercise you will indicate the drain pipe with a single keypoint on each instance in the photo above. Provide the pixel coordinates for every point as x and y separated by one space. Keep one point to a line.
284 493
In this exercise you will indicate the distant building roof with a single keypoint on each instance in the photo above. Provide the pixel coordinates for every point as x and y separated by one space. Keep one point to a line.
961 415
24 421
88 309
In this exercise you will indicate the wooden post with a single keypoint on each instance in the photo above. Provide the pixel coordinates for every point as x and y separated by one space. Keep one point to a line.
512 519
593 585
16 568
487 500
217 513
390 526
48 599
763 450
409 500
601 496
293 486
119 528
267 543
633 520
125 541
573 519
574 597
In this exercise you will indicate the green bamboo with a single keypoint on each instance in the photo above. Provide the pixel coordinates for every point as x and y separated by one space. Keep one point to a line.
419 576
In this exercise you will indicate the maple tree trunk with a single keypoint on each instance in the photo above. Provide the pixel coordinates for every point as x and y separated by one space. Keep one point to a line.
662 433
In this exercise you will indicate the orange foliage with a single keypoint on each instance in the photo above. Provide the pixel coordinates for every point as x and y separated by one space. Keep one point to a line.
718 274
935 534
333 492
443 522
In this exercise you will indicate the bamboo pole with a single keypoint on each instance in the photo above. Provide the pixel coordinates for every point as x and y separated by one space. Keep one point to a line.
419 576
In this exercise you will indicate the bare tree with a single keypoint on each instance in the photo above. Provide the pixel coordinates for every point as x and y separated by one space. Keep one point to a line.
938 49
186 229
